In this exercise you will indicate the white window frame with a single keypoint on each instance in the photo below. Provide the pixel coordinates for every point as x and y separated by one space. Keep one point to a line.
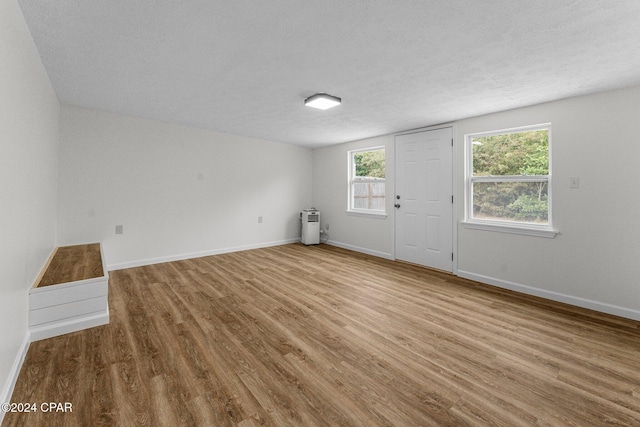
352 179
505 226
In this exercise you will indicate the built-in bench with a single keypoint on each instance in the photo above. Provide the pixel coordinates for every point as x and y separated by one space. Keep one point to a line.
71 292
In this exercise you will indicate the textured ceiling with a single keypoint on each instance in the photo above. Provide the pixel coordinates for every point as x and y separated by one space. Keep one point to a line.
244 67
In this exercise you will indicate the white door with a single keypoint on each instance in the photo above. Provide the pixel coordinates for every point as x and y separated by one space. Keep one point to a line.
424 198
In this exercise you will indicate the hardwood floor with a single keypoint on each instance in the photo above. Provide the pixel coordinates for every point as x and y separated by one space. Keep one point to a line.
72 263
295 335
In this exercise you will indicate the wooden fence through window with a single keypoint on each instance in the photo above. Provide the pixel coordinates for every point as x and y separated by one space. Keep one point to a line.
369 195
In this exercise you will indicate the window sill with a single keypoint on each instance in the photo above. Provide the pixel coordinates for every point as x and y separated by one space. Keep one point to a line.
364 214
546 232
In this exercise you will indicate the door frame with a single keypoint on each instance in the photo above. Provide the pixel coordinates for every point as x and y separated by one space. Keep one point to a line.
454 185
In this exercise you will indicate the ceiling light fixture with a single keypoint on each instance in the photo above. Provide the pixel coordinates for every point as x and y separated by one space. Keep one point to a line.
322 101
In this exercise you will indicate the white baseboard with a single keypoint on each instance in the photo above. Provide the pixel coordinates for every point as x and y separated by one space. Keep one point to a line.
67 326
359 249
7 389
180 257
554 296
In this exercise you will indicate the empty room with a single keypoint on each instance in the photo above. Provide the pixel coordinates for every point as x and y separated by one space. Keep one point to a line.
302 213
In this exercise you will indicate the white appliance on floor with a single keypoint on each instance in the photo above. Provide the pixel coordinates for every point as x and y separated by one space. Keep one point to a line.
310 227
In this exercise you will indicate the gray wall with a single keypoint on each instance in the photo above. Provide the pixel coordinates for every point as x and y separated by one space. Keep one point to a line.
591 263
29 137
178 192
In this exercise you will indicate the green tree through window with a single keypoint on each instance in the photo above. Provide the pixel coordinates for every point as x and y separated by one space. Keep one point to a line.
367 181
510 176
370 163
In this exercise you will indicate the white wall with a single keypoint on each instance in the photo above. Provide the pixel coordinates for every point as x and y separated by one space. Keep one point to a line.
178 191
593 262
29 137
330 196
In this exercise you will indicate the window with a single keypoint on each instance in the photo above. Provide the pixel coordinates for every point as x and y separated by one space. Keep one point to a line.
508 179
367 181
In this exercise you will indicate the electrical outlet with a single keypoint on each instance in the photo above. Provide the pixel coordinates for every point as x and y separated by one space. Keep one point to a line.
119 229
574 182
260 220
326 227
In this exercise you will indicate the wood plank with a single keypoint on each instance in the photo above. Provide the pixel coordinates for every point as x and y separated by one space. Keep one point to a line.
73 263
45 267
317 335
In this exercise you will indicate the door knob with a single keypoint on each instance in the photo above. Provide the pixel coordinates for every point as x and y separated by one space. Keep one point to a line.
397 205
